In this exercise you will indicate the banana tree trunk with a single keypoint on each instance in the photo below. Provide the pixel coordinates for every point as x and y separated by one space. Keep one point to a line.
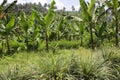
91 36
26 41
47 42
116 34
58 35
8 46
81 41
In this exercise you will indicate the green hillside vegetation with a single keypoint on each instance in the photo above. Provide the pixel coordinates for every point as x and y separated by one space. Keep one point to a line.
40 42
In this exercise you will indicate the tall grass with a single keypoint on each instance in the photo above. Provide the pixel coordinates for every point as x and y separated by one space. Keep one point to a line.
80 64
112 55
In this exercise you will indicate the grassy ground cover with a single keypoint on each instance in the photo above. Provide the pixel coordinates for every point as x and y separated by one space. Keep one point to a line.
73 64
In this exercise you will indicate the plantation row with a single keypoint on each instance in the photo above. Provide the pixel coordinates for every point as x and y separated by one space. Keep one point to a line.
97 24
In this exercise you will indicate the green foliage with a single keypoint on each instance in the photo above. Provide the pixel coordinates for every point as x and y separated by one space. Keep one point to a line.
49 17
113 56
6 31
85 13
91 7
68 64
64 44
7 28
68 44
10 24
17 46
26 22
102 29
34 27
15 72
29 31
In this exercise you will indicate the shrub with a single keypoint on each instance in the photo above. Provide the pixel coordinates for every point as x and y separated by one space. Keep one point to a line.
16 46
64 44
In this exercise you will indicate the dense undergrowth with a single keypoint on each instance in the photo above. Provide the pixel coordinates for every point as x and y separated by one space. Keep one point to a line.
73 64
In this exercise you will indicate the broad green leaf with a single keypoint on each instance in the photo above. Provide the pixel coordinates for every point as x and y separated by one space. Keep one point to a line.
91 6
41 21
31 18
50 15
92 9
39 17
60 24
10 24
23 21
81 26
102 28
69 24
86 16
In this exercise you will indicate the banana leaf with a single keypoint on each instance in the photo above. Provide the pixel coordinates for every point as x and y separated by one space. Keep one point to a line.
50 15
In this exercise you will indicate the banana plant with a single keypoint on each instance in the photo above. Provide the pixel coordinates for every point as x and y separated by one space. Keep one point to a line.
81 30
88 15
6 30
8 24
26 22
113 5
46 21
4 10
34 36
64 28
70 26
60 29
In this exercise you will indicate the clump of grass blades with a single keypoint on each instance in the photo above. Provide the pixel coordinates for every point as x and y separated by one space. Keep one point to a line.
53 67
15 72
88 68
113 56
